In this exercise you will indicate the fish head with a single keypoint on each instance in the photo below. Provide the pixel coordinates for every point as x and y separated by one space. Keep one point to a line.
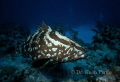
76 51
69 49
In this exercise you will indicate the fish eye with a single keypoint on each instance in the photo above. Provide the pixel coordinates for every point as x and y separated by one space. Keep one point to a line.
71 44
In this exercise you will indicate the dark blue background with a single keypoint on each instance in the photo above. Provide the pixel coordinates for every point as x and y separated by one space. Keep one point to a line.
66 12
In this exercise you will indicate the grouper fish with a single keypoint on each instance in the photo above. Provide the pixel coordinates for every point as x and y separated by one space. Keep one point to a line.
47 47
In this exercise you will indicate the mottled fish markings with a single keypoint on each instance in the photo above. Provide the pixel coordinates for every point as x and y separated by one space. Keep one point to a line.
50 47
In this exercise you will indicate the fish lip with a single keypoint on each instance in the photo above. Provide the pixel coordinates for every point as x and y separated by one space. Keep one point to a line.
80 56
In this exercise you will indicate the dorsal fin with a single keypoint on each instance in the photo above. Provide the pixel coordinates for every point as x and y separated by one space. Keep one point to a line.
44 28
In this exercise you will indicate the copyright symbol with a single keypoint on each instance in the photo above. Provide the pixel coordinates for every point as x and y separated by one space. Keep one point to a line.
72 72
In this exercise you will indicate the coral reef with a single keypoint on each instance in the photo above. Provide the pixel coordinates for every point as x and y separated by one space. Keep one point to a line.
103 54
74 34
109 35
7 73
108 39
11 37
112 75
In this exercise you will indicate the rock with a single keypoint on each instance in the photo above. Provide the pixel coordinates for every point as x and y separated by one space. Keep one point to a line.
112 75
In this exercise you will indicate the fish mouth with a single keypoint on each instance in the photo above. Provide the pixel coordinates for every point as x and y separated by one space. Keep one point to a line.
81 56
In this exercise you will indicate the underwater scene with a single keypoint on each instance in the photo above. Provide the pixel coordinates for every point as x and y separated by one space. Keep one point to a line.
59 40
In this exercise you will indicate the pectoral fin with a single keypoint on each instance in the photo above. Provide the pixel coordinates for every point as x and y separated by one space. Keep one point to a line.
40 63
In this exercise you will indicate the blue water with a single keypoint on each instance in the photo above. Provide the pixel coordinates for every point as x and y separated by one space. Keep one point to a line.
78 15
